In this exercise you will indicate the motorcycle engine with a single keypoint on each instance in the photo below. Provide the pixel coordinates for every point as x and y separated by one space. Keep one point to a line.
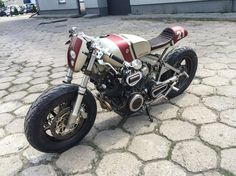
128 92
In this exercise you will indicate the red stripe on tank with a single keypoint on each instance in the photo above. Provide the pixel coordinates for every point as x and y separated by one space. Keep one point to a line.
123 46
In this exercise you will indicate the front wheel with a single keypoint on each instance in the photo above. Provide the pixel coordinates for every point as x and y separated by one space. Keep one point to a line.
46 121
184 59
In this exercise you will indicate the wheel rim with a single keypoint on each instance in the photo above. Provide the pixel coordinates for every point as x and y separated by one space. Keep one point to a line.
55 125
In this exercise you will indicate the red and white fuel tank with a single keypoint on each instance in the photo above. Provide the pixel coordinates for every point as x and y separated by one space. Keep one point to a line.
125 46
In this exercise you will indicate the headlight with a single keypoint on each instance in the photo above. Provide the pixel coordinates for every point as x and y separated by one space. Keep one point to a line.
75 54
72 54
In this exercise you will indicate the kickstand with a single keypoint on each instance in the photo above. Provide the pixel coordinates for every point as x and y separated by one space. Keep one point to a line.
148 113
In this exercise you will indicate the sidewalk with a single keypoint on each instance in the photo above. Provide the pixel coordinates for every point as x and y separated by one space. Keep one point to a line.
187 16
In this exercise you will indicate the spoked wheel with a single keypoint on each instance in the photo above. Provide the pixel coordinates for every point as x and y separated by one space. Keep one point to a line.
184 59
46 123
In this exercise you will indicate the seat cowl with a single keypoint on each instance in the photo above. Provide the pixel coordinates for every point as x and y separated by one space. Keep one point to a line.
179 33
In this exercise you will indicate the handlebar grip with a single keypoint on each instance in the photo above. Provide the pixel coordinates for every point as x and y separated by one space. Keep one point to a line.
117 59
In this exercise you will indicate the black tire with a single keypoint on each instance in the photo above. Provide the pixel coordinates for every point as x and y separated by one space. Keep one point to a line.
175 57
39 110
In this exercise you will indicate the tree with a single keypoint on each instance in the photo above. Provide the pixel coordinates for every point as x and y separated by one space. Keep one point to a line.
34 9
2 3
16 12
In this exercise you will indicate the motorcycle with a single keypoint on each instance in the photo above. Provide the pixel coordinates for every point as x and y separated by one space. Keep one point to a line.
128 74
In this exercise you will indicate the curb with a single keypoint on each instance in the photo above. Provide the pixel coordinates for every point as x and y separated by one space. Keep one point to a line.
179 17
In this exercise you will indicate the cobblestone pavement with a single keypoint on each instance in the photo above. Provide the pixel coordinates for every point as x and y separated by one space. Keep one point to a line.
192 135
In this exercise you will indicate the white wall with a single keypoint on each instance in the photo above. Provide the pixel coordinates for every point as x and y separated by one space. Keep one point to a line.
54 5
91 3
143 2
95 3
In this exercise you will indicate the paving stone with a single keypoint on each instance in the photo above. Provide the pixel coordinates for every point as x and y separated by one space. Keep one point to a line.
228 91
111 139
202 73
4 86
48 63
219 103
139 125
232 66
56 81
81 158
41 74
28 69
39 80
35 63
6 79
15 96
92 133
24 74
228 160
4 68
216 66
164 111
194 156
201 90
58 69
58 75
199 115
22 80
10 165
42 69
12 144
215 81
185 100
38 88
163 168
35 156
228 117
227 73
87 174
31 97
210 173
177 130
19 87
117 164
22 111
107 120
196 81
15 73
17 126
5 118
10 106
219 134
233 81
150 146
39 171
3 93
2 133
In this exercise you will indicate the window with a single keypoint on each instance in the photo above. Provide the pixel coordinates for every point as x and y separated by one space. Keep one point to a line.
61 1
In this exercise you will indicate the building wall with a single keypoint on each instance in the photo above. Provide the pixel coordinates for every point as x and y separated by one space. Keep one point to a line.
234 6
13 2
180 6
53 6
143 2
96 7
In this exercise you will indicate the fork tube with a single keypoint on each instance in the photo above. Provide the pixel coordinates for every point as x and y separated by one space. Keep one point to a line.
81 91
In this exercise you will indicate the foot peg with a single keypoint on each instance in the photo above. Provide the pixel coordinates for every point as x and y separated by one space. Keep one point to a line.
174 88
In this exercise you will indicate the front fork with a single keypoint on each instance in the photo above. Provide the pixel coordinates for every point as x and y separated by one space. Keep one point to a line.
81 90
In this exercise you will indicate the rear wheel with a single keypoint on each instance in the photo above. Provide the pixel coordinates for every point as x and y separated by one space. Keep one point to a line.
184 59
46 121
